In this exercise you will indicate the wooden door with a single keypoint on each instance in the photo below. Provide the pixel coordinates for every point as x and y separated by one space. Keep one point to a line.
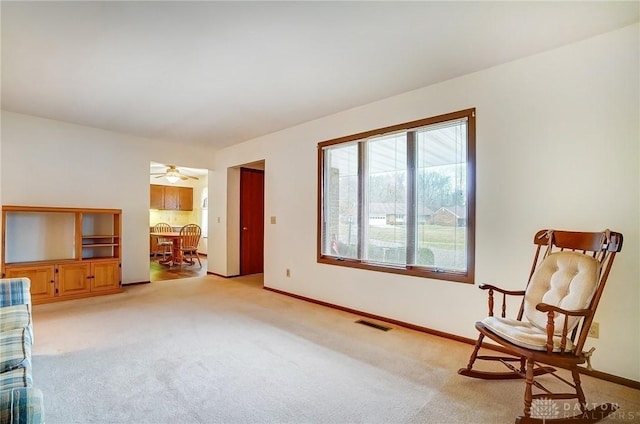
105 275
74 278
251 221
42 280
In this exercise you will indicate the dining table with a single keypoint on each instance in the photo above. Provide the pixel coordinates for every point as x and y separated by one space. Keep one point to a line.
177 256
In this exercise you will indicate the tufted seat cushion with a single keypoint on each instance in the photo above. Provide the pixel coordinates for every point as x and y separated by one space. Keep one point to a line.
523 334
564 279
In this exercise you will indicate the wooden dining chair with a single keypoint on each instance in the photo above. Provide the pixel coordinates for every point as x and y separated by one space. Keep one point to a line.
566 282
189 240
163 246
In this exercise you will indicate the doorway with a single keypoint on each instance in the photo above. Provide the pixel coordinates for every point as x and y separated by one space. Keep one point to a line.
251 221
178 196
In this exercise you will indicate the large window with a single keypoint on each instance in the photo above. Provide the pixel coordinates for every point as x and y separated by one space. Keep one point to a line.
401 199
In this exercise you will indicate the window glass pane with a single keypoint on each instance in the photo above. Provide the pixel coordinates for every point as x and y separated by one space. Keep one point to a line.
386 200
441 196
340 235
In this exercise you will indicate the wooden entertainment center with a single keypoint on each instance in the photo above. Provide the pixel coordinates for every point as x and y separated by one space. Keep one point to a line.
67 253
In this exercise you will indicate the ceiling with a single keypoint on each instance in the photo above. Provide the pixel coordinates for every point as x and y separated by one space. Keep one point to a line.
156 168
218 73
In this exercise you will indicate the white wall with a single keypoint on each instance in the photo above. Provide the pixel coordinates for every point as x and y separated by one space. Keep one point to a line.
557 147
51 163
217 251
1 252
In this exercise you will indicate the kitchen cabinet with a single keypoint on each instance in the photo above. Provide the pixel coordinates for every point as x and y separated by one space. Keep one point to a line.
185 199
157 197
171 198
81 255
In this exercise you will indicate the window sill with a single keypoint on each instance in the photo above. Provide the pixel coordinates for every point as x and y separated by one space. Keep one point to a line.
458 277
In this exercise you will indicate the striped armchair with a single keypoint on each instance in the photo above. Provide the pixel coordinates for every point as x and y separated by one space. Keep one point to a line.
20 402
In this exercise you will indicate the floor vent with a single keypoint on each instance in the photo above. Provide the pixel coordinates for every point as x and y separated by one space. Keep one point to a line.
373 325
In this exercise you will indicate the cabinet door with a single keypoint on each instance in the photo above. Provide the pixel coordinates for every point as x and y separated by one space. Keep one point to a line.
157 197
186 198
42 280
171 198
74 278
105 275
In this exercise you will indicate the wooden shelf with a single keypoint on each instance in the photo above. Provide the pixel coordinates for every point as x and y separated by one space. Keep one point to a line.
101 258
98 245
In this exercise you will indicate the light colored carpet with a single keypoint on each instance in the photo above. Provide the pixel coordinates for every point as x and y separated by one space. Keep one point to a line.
210 350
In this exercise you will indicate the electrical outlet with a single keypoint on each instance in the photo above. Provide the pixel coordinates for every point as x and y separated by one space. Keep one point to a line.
594 330
288 272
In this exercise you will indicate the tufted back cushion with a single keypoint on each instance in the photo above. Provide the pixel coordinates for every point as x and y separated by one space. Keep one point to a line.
564 279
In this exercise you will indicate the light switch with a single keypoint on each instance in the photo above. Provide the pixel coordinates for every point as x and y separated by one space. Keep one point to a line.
273 219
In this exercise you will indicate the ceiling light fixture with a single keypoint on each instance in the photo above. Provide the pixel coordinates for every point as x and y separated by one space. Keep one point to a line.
172 175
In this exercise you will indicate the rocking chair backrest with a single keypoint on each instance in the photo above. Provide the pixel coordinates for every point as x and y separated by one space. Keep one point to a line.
564 279
571 273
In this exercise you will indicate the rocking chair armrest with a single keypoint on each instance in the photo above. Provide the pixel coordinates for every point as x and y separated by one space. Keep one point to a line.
545 307
503 291
551 311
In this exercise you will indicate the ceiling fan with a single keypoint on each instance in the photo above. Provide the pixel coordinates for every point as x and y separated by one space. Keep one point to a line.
173 174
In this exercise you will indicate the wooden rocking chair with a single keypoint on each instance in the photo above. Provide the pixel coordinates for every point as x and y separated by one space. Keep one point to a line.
566 282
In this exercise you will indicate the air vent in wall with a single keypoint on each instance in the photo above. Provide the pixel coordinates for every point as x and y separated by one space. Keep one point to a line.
373 325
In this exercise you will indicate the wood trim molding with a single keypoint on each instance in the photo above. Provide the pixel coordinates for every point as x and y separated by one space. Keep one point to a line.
135 283
611 378
222 276
592 373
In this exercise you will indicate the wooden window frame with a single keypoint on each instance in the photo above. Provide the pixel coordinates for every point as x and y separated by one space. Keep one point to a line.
419 271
